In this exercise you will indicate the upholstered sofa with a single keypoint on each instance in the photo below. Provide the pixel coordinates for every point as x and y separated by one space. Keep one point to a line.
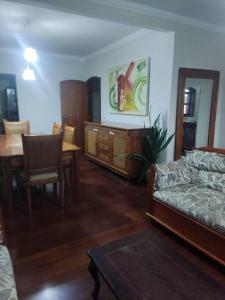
7 281
187 196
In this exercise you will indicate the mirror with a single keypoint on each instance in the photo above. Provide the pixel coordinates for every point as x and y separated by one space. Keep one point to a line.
196 109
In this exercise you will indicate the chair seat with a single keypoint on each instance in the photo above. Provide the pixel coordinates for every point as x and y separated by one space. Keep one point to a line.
43 177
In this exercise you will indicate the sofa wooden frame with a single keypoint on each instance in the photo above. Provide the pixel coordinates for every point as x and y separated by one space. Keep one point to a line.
2 228
204 238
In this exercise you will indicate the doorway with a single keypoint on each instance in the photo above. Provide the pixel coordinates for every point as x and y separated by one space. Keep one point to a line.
8 99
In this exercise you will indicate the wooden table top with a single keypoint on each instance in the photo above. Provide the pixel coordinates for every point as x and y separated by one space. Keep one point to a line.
143 266
11 145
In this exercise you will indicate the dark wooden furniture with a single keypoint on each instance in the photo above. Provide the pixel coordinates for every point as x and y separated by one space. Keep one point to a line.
185 73
69 137
2 229
105 142
42 163
204 238
11 158
144 267
74 107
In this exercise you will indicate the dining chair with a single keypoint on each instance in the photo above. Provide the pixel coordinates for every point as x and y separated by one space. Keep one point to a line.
21 127
69 137
69 134
42 163
57 128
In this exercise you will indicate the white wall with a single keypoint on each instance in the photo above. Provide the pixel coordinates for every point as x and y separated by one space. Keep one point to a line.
195 48
146 43
39 100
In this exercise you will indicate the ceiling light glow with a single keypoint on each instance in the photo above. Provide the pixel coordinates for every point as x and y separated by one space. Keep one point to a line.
30 54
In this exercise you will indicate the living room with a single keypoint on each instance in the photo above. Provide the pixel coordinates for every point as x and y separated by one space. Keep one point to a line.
110 207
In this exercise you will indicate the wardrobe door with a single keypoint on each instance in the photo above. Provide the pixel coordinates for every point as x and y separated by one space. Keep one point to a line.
74 107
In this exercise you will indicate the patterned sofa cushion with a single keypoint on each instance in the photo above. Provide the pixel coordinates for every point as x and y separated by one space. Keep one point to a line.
208 161
201 203
172 174
7 282
212 180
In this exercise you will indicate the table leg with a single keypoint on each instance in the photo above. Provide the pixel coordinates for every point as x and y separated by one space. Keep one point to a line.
7 183
76 175
93 270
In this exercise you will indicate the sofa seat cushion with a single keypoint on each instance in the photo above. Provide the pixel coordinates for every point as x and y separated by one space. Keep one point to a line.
203 204
7 281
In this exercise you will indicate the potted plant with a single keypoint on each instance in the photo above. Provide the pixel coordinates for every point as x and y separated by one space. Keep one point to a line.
154 142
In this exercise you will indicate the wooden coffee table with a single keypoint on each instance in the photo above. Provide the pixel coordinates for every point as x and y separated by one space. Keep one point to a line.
145 267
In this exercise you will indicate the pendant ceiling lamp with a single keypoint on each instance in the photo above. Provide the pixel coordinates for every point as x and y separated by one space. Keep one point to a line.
30 56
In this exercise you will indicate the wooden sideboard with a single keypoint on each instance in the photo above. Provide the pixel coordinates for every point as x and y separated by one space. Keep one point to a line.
106 141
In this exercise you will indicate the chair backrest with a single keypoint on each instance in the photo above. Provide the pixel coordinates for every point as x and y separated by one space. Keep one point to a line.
69 134
57 128
42 154
22 127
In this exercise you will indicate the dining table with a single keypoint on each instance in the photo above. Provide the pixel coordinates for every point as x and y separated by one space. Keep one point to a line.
11 160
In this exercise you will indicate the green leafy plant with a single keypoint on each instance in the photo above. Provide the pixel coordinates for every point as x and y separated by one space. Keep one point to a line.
155 141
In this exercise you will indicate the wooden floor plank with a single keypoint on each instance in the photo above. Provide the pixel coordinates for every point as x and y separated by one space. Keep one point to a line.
49 254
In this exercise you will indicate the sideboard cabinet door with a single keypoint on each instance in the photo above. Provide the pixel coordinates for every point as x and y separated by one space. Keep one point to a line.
91 140
119 146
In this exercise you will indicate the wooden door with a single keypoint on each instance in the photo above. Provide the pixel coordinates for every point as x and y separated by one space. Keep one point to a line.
119 145
74 107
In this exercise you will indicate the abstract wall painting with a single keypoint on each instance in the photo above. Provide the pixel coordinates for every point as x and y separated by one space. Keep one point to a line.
129 88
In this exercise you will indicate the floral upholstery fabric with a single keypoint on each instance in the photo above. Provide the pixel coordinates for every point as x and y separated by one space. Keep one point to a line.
208 161
7 282
172 174
213 180
204 204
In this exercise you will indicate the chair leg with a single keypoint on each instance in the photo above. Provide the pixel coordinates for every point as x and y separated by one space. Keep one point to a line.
61 193
55 188
65 178
29 199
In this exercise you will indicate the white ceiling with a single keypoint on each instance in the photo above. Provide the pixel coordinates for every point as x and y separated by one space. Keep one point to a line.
66 33
209 11
57 32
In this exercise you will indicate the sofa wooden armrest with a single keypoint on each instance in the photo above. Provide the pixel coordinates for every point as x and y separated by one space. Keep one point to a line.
2 229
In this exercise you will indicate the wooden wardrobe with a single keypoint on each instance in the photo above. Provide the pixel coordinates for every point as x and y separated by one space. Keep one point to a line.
74 107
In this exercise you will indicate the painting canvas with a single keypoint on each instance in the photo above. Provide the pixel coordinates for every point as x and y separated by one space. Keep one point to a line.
129 88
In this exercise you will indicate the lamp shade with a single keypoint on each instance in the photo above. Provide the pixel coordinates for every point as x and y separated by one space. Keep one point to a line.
28 74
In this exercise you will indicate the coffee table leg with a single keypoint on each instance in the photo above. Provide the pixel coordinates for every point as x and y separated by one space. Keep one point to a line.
94 273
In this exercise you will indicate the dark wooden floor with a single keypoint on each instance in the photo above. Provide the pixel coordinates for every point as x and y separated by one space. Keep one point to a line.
49 253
